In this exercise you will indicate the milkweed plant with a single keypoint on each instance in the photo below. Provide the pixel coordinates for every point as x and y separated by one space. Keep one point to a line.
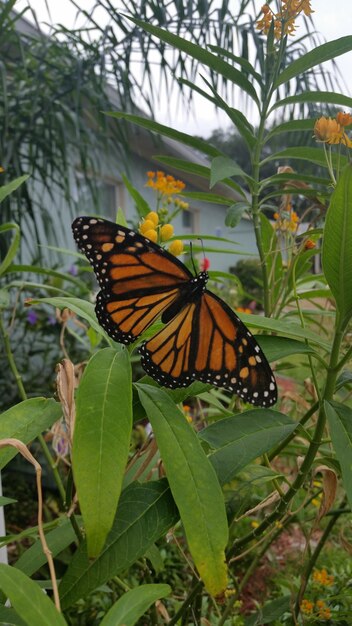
172 502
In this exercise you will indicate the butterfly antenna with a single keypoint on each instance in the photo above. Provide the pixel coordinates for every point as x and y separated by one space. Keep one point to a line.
191 253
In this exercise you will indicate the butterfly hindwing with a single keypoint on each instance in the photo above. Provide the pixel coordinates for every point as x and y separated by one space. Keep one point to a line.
206 341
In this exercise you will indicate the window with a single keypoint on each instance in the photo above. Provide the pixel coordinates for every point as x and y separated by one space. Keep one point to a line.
104 197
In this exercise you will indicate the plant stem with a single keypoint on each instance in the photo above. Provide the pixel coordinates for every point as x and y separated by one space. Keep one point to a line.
312 450
192 594
314 557
45 449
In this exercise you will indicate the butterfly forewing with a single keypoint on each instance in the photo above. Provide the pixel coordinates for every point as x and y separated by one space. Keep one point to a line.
138 279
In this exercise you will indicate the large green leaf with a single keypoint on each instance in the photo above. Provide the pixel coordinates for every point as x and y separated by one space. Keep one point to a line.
58 539
145 513
25 421
213 61
276 348
101 440
337 245
6 190
325 52
270 613
28 600
9 617
340 425
194 486
82 308
166 131
131 606
240 439
222 168
273 256
315 96
313 155
14 245
283 327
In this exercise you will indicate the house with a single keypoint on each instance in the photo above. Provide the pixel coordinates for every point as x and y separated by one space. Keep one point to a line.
203 218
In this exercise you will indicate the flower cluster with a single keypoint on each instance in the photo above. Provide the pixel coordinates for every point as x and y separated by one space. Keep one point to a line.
157 232
331 131
323 578
284 20
320 609
165 184
286 220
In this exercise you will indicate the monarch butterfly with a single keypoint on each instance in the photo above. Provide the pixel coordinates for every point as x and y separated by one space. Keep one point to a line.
203 339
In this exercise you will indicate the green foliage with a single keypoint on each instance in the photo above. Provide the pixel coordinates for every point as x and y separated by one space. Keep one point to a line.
221 481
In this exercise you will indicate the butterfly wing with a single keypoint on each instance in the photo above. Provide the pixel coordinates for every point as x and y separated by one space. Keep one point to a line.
206 341
138 278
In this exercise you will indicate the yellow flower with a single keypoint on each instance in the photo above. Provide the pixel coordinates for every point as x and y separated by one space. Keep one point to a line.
166 232
242 309
1 169
344 119
176 247
315 502
307 607
330 131
284 20
145 226
323 578
254 524
152 235
153 217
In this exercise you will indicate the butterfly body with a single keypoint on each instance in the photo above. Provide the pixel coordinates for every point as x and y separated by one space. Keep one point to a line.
203 339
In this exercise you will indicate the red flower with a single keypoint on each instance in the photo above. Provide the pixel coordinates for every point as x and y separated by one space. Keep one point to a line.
205 264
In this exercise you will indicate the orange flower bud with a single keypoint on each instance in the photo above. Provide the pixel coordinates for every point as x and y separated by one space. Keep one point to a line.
309 244
152 235
145 226
176 247
166 232
153 217
344 119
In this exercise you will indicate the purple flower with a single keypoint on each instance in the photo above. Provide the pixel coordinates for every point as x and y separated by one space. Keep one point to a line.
73 270
32 317
52 320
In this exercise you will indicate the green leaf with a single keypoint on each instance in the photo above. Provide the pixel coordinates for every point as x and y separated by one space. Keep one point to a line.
58 539
194 486
276 348
9 617
145 513
325 52
340 426
291 126
270 612
235 213
82 308
315 96
142 205
25 421
28 600
120 218
240 439
6 190
313 155
101 440
133 604
4 501
337 248
282 327
213 61
214 198
223 167
14 245
166 131
272 251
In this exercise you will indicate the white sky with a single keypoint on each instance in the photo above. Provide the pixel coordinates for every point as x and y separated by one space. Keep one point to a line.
332 20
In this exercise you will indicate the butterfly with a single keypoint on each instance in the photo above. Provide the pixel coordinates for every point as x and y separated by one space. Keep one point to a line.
202 339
